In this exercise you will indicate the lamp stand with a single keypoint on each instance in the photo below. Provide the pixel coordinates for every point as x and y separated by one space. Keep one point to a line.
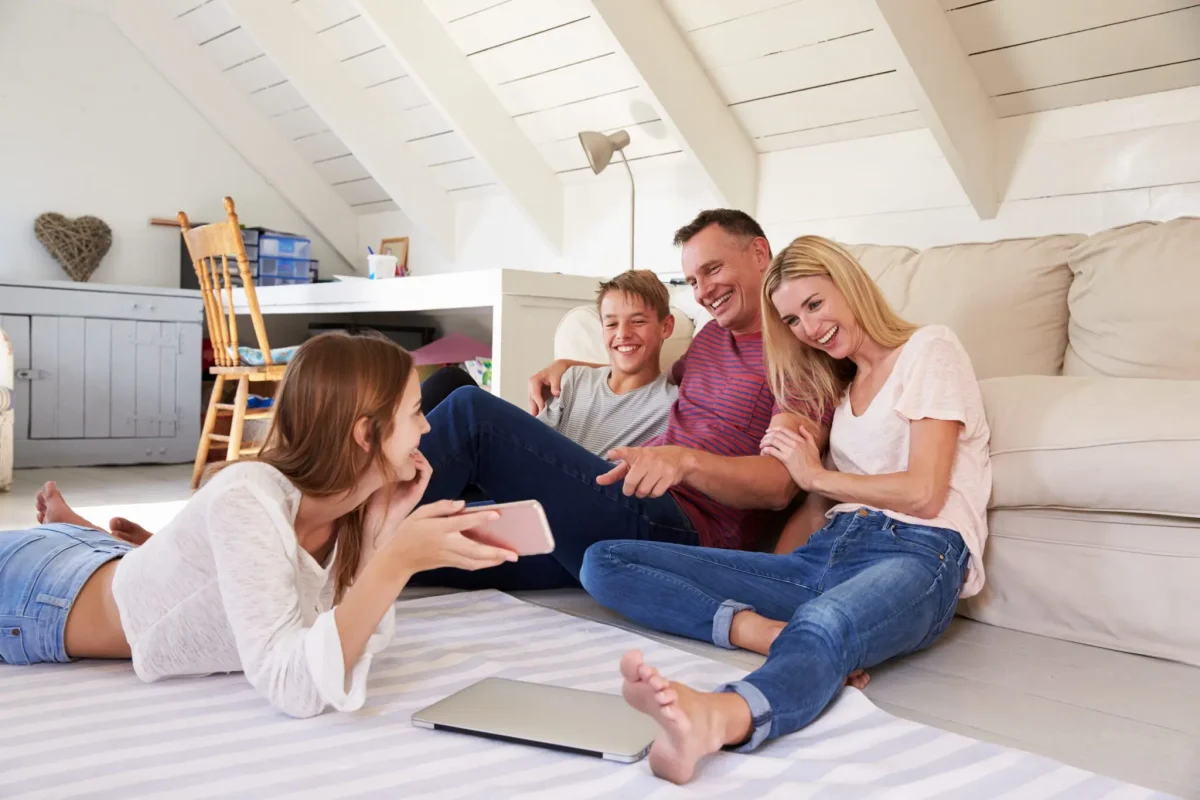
632 207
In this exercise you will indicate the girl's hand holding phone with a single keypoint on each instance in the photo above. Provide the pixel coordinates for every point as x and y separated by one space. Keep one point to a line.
432 537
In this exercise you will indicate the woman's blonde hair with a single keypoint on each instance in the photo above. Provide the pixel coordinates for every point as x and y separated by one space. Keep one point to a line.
332 382
799 373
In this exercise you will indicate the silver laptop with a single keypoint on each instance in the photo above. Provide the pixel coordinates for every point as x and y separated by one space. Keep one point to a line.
571 720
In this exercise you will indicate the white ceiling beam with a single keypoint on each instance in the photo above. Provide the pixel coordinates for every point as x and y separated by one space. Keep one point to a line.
685 98
431 58
947 92
181 62
375 140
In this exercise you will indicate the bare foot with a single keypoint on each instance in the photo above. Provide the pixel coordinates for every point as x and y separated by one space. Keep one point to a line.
756 633
128 531
693 724
859 679
51 508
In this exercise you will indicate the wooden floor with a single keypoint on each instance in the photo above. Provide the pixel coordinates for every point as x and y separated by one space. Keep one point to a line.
1126 716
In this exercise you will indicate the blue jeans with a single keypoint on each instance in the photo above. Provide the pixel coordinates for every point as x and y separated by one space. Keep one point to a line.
41 572
477 439
865 588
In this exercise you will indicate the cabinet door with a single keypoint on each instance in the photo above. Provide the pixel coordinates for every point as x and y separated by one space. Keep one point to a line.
56 392
98 378
17 329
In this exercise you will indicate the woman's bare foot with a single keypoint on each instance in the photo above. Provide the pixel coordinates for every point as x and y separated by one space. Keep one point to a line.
693 724
129 531
756 633
51 508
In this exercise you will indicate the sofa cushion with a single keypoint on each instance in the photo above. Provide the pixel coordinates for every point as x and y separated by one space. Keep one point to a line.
1006 300
1121 581
1135 302
1099 444
578 337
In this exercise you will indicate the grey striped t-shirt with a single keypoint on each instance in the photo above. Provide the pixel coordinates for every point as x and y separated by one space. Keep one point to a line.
589 412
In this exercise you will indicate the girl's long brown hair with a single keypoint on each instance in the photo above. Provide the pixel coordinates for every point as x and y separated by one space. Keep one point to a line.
333 381
796 370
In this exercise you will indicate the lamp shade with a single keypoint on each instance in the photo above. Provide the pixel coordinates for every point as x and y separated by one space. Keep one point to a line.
600 147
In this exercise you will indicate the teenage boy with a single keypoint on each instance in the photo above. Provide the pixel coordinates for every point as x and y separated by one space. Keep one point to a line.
626 403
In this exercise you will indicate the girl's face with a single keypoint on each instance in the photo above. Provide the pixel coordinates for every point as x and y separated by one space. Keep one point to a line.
818 315
409 425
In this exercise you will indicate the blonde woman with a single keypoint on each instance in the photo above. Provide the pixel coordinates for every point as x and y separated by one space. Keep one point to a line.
284 568
904 539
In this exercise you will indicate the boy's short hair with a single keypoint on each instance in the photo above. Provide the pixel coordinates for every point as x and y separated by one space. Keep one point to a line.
641 283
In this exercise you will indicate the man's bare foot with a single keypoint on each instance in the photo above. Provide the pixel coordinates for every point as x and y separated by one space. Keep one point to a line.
51 508
756 633
693 724
129 531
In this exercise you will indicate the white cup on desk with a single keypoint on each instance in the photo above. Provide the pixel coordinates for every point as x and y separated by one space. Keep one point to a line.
381 266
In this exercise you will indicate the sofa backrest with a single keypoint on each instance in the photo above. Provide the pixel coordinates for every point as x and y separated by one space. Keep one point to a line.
1135 302
1126 299
1006 300
578 337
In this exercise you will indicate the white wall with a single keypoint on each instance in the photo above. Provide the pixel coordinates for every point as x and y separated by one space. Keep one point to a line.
1079 169
88 127
493 233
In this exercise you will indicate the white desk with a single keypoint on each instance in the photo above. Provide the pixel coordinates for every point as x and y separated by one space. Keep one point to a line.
526 308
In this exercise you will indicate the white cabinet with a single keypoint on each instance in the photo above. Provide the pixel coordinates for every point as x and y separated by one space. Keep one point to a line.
104 374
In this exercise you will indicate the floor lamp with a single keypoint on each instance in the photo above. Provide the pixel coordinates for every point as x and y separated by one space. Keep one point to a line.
599 148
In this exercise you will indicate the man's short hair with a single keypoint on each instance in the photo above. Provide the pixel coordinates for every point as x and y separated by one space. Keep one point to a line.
640 283
732 221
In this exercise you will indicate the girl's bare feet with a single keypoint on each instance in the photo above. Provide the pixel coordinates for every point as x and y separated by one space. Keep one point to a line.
128 531
51 508
693 724
754 632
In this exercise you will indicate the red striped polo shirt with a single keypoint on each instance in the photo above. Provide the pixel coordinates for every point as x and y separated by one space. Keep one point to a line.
724 407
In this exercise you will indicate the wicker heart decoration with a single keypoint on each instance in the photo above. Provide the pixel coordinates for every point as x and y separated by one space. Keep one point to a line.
77 244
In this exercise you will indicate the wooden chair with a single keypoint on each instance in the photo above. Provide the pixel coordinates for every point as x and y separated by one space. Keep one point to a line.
209 247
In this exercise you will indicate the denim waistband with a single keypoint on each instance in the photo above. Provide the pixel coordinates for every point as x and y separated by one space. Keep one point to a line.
871 518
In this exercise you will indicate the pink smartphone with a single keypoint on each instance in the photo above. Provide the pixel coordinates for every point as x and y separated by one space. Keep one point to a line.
522 528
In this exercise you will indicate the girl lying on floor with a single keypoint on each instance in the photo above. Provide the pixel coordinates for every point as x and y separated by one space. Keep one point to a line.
285 567
911 482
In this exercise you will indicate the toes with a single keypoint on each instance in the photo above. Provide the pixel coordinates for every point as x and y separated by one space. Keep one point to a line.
631 663
666 697
658 682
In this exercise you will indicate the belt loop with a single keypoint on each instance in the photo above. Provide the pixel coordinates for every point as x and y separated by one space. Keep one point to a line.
888 522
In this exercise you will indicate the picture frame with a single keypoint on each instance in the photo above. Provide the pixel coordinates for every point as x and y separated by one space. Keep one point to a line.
397 247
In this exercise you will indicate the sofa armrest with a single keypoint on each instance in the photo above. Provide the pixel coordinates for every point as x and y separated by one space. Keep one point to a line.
1097 444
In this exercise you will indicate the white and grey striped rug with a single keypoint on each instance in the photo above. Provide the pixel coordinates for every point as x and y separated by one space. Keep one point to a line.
92 730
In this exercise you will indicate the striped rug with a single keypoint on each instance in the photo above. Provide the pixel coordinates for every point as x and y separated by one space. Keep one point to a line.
92 730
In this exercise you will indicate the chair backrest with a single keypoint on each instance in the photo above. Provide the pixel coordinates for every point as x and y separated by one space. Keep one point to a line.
210 247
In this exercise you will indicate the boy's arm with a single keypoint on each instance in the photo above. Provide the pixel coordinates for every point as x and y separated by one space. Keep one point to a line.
557 410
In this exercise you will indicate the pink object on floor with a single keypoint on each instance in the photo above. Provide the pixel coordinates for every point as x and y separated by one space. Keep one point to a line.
452 349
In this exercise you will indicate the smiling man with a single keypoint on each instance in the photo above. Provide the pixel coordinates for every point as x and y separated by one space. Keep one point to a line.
703 481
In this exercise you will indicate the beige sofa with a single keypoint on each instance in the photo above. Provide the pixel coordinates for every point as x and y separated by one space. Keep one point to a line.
1088 353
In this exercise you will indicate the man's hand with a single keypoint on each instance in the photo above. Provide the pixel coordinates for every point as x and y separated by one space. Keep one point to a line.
549 378
647 471
797 450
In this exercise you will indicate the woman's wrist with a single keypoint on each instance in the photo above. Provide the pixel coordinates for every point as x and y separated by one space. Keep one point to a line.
818 482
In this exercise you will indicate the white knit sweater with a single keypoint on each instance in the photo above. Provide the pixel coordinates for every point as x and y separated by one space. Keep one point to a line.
225 587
